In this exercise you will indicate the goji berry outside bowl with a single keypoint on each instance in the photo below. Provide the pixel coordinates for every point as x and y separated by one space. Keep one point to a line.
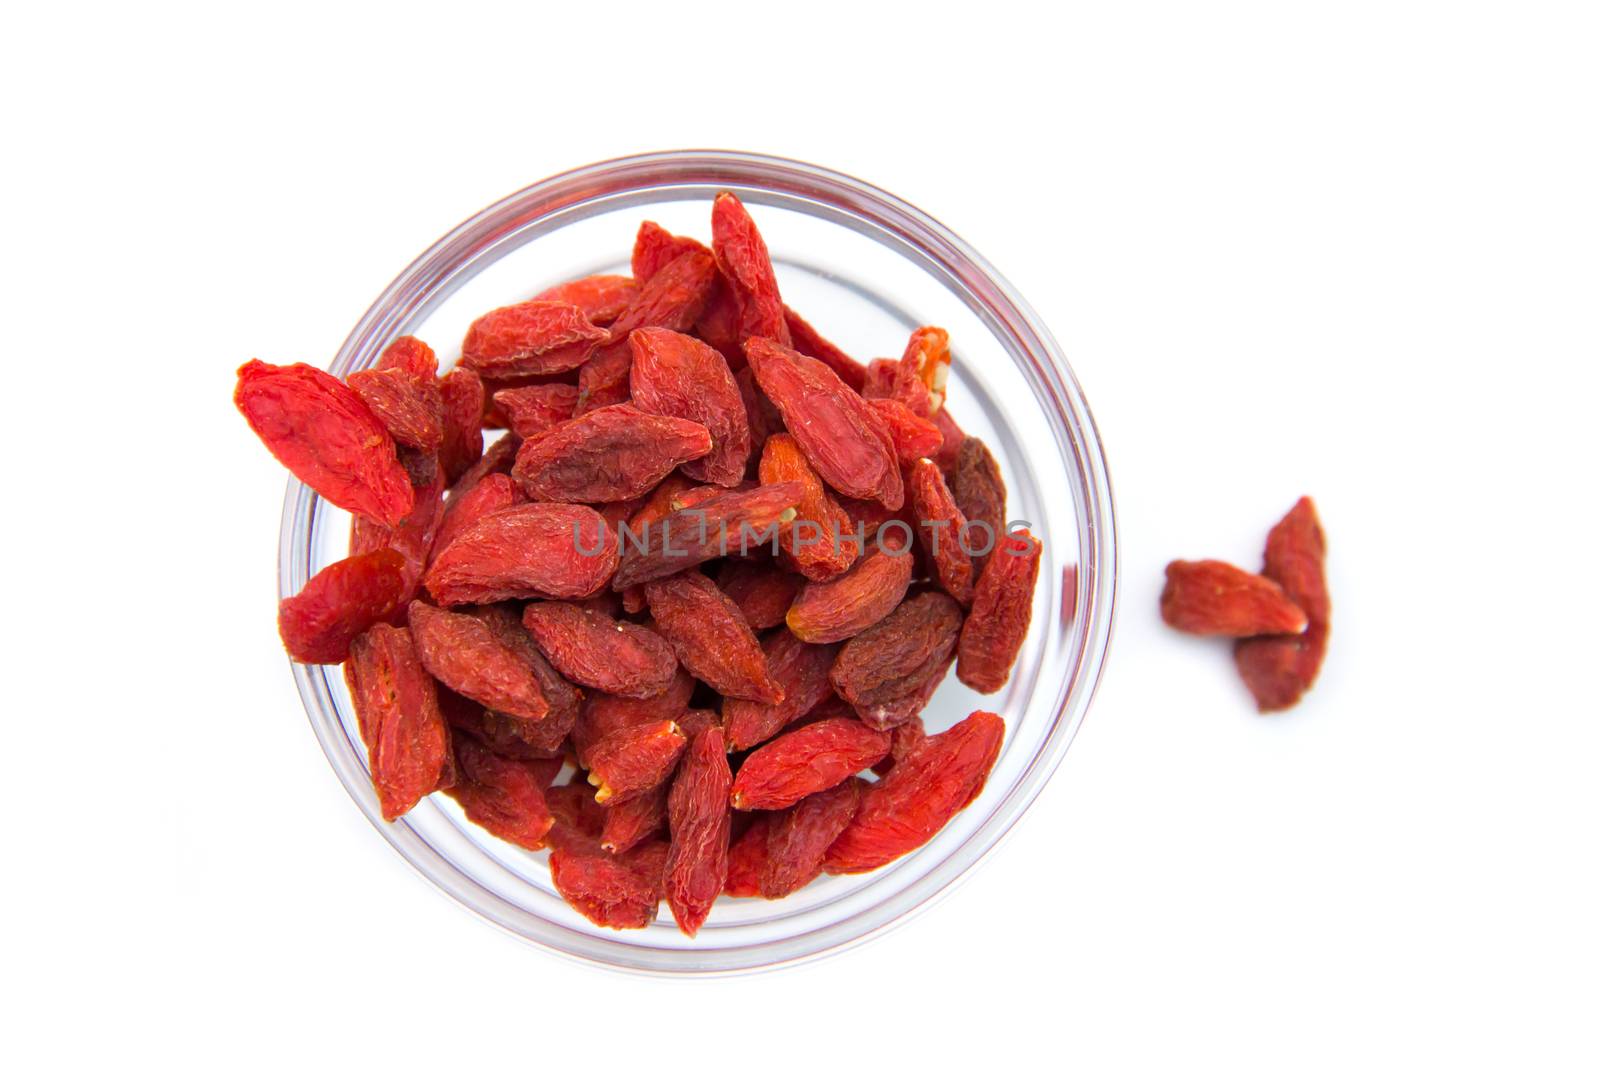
865 268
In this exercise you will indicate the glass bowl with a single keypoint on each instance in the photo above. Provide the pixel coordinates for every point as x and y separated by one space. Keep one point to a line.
865 268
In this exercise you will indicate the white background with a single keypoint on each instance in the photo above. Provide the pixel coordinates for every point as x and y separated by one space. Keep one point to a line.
1348 249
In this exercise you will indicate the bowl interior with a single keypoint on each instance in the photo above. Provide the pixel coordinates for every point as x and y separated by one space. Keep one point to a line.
864 286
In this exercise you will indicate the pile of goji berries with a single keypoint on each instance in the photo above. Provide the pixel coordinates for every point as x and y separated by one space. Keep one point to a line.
1280 616
713 562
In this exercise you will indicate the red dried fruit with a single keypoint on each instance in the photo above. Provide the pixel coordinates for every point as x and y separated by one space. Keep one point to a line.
341 601
697 811
409 354
942 529
744 261
980 493
747 859
649 861
837 610
654 248
410 408
761 591
461 652
599 652
533 337
1002 608
413 536
555 550
710 637
697 721
630 821
493 493
800 837
674 374
634 760
919 380
461 392
603 713
672 298
879 383
397 710
896 711
914 438
496 459
505 797
615 453
894 658
904 740
838 431
601 297
719 324
494 731
532 409
953 436
605 891
327 436
764 418
806 761
924 792
1278 670
1216 599
723 523
802 671
548 733
578 819
603 381
808 342
817 538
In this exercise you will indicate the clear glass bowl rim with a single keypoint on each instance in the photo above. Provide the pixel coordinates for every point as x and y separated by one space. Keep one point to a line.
439 270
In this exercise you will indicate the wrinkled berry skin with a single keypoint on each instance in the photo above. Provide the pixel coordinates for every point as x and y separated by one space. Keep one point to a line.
327 436
787 769
710 636
837 610
1215 599
599 652
801 670
534 337
698 813
504 796
634 760
1278 670
800 837
893 658
1002 608
528 550
674 374
919 796
463 653
615 453
397 711
606 891
340 602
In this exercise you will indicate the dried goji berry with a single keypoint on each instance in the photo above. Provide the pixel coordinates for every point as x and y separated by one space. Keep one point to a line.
672 298
616 453
533 337
674 374
413 536
879 381
601 297
495 731
603 890
710 636
327 436
603 713
599 652
461 392
942 528
530 410
914 438
505 623
802 671
1002 608
919 380
817 538
719 324
904 739
634 760
461 652
953 436
808 342
397 710
919 796
649 861
505 797
838 431
697 811
744 261
603 381
578 819
1216 599
764 418
1278 670
806 761
341 601
410 407
409 354
800 837
630 821
463 509
980 493
747 859
837 610
894 712
654 248
723 523
555 550
762 592
892 658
